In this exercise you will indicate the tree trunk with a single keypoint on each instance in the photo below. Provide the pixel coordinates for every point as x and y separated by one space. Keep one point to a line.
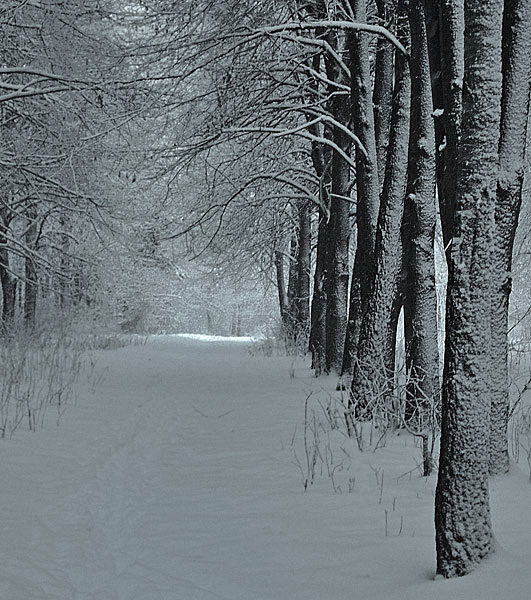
367 184
9 283
290 328
9 288
383 86
462 514
318 315
451 31
420 300
302 300
516 66
339 225
30 271
374 367
210 322
281 287
320 161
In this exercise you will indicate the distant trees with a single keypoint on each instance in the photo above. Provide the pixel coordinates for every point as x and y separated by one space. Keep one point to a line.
54 107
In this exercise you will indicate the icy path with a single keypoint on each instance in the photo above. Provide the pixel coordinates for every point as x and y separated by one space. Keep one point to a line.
175 481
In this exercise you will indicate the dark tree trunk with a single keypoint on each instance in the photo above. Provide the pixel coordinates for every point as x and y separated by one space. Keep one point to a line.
383 86
516 68
9 283
374 367
420 300
338 272
290 324
450 51
339 224
30 297
210 322
367 184
302 300
292 274
462 514
9 288
320 160
281 287
318 315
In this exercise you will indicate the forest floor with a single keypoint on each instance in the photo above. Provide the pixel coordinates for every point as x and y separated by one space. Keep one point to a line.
180 477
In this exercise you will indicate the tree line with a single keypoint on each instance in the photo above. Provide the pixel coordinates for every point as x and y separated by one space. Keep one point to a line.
391 116
315 143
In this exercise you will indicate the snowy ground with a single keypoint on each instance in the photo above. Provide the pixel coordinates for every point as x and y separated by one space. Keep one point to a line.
176 480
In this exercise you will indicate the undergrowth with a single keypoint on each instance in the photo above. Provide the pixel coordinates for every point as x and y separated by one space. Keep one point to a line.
39 371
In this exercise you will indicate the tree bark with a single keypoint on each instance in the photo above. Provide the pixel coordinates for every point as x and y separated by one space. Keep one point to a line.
420 300
462 514
320 160
383 86
281 287
9 283
451 31
516 67
339 224
367 184
318 311
374 366
302 300
30 271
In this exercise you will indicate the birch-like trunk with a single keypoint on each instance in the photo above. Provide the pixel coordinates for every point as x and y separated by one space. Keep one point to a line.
462 514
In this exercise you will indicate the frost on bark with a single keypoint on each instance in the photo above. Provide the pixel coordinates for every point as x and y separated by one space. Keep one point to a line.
383 85
451 54
516 68
318 311
338 269
462 514
367 184
339 223
420 301
295 300
302 295
320 159
445 28
374 365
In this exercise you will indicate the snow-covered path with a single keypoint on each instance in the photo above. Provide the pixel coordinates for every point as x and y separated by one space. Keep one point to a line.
134 496
175 480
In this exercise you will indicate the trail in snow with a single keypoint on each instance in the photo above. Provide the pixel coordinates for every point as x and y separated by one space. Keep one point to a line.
175 480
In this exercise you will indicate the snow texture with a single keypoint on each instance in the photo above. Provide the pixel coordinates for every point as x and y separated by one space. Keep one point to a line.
175 480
